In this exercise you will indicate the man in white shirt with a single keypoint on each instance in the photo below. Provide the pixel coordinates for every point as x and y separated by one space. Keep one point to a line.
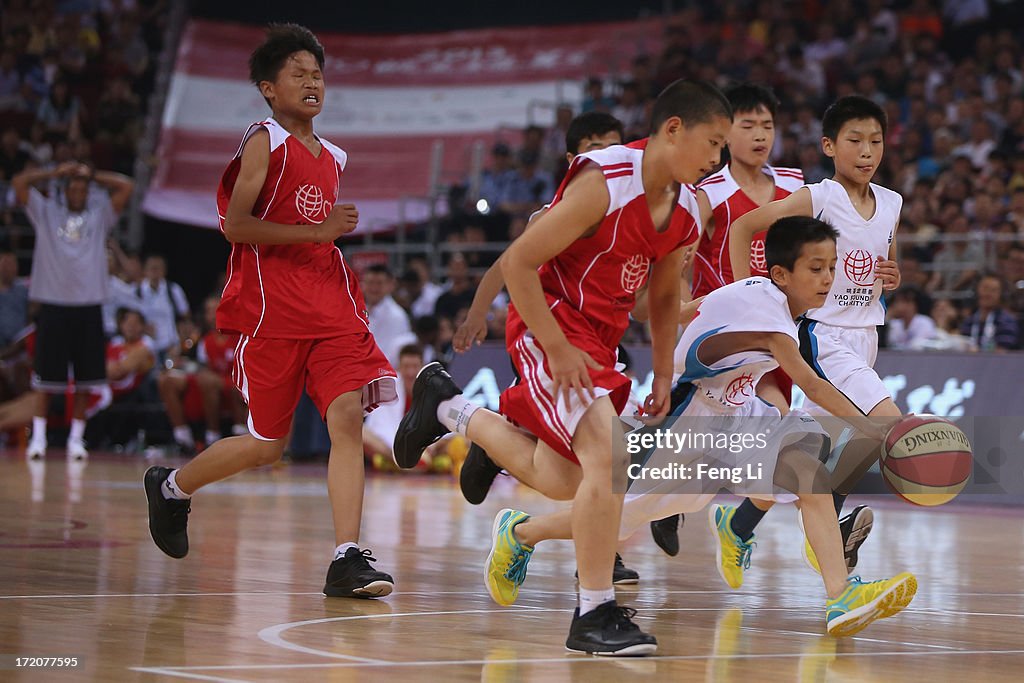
163 303
908 328
389 323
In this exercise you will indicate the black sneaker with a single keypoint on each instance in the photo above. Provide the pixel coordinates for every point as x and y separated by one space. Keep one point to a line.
352 576
420 426
855 528
168 517
666 533
477 475
621 574
609 630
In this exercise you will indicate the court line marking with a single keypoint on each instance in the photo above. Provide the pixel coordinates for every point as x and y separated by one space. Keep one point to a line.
426 592
574 659
171 671
273 634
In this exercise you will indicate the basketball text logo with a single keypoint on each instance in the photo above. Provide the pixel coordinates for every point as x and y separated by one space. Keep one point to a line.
859 267
757 262
739 390
634 272
309 202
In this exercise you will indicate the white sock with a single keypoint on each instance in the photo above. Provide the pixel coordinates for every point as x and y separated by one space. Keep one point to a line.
340 551
183 435
591 600
77 431
455 413
170 488
211 436
39 431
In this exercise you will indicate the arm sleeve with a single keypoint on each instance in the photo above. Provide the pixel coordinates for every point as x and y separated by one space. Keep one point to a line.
36 209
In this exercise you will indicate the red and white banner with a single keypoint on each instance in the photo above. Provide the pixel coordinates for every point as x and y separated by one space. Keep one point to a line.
388 99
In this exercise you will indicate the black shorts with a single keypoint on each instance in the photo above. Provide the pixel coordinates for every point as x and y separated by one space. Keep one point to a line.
69 343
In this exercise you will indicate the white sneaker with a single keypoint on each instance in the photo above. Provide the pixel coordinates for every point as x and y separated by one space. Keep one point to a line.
76 451
35 451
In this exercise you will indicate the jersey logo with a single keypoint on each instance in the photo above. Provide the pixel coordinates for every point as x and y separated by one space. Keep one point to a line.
634 272
739 390
859 267
309 202
757 262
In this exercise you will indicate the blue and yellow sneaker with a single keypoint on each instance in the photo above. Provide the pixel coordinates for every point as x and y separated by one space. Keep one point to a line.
862 603
733 553
506 564
854 528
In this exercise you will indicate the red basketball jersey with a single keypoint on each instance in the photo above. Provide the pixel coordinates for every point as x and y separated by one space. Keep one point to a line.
599 275
117 350
711 266
290 291
217 352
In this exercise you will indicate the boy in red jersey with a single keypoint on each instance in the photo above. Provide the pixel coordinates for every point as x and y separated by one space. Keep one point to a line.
298 309
623 215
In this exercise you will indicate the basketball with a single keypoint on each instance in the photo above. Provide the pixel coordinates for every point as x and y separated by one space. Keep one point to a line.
926 460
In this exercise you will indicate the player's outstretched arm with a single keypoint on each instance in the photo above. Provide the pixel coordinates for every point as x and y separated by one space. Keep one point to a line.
241 226
582 207
474 329
784 349
742 231
663 302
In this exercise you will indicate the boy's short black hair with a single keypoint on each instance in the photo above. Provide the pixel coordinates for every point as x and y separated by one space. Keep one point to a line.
283 40
907 293
751 97
379 268
591 124
694 102
123 312
411 350
851 108
787 236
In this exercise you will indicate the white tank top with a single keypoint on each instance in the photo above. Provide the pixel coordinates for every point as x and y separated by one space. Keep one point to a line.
751 305
855 299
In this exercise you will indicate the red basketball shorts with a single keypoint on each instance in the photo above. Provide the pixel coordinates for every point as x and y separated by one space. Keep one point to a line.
271 373
530 402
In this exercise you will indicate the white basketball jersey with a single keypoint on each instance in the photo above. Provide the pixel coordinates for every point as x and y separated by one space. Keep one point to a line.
855 299
751 305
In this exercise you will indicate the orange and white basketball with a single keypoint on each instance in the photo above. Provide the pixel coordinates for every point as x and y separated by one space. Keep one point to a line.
926 460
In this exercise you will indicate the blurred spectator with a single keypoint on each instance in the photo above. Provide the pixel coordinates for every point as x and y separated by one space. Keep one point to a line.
380 426
630 110
459 290
991 327
60 111
202 389
553 156
908 328
388 322
428 335
532 187
12 157
594 98
496 182
13 300
1011 268
10 82
959 262
417 294
980 145
38 148
163 304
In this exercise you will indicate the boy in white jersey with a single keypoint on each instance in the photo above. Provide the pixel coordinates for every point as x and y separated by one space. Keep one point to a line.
839 339
741 332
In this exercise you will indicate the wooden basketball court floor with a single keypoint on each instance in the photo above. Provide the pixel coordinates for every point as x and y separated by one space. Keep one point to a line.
79 576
